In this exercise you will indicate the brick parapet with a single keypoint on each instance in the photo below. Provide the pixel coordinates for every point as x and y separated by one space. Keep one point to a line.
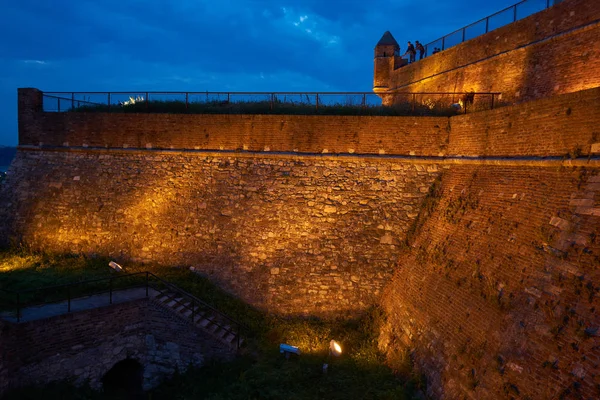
552 52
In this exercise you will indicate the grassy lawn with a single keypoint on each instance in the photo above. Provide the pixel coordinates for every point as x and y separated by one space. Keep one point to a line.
260 372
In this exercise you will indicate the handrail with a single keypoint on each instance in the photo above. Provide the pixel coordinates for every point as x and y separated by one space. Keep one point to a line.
71 99
72 283
238 325
548 4
255 93
252 102
239 93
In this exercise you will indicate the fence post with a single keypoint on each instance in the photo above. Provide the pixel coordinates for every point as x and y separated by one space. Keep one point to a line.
68 298
146 100
72 100
272 99
108 101
463 34
186 100
317 101
18 307
547 3
364 100
413 102
58 100
514 13
487 24
444 43
492 107
110 290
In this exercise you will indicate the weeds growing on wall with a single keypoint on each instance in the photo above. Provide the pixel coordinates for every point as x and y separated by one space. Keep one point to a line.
266 107
428 205
261 372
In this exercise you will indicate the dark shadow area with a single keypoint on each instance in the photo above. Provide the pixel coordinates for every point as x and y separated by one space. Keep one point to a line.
124 380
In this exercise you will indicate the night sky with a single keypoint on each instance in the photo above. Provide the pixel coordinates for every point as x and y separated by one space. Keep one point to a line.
217 45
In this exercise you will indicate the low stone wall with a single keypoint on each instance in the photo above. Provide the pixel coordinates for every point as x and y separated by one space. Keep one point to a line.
83 346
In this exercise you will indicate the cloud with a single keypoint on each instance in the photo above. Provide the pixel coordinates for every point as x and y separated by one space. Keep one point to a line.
37 62
296 45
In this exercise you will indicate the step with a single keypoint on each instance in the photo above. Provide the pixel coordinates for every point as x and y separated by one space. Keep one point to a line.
229 338
199 316
181 307
175 302
163 297
205 322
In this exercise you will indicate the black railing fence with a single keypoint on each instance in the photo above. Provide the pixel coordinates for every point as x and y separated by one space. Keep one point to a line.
501 18
15 301
336 103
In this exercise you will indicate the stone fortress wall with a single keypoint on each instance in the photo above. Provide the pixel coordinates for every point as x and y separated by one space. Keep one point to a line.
323 233
477 233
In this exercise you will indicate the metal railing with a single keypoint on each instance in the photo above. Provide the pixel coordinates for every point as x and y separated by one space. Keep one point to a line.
72 291
327 103
501 18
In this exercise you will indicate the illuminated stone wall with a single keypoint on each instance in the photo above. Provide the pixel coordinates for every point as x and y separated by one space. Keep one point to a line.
552 52
288 234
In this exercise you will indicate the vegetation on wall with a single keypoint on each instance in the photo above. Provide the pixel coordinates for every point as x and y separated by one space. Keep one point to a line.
276 107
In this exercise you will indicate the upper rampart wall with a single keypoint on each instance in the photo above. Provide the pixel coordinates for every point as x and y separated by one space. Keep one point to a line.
424 136
552 52
554 126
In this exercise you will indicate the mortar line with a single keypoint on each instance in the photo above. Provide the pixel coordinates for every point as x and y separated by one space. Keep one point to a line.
534 161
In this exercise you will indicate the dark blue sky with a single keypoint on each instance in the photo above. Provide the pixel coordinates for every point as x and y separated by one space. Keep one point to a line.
217 45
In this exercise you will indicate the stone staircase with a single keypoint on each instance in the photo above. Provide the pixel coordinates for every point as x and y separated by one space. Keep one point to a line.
208 320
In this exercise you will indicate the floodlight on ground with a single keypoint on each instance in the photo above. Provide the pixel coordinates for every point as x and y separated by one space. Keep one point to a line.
115 266
288 349
335 349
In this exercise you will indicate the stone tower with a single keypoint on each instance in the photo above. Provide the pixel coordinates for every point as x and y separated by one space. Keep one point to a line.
387 58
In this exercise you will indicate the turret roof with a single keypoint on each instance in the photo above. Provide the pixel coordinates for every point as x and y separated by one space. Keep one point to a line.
387 39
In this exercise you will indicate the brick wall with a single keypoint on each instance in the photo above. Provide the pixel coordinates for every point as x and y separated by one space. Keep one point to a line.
499 294
7 355
423 136
84 345
566 125
551 52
